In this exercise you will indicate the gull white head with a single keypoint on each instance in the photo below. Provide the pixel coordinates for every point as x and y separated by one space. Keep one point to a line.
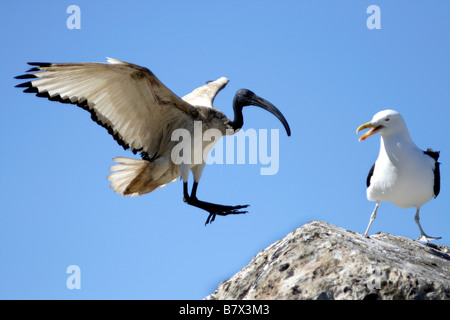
386 123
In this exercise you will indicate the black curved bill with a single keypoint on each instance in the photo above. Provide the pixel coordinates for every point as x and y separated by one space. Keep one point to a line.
266 105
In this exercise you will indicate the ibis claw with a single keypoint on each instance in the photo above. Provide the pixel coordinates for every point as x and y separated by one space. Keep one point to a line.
224 211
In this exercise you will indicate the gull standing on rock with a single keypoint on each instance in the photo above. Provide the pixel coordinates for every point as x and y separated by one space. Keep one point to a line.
403 174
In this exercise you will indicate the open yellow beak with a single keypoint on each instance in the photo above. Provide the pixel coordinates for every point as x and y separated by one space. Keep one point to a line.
374 129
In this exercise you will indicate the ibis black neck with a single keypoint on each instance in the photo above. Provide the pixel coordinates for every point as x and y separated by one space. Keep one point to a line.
243 98
238 121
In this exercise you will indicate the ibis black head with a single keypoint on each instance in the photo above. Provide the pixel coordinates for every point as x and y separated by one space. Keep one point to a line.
243 98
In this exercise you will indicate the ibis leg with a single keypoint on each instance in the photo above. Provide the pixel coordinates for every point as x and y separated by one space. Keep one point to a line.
212 208
423 237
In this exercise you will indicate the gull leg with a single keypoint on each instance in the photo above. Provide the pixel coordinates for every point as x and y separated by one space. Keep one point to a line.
423 237
372 217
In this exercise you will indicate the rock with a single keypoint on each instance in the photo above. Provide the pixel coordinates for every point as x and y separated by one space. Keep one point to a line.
320 261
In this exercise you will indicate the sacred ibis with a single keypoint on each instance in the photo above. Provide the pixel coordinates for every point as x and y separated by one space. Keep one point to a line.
141 114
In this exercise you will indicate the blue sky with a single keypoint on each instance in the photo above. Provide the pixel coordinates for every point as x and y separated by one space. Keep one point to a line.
315 60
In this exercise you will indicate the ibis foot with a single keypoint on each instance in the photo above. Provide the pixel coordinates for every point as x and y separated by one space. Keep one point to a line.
217 209
212 208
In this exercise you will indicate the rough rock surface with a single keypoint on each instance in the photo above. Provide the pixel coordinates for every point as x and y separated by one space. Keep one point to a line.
322 261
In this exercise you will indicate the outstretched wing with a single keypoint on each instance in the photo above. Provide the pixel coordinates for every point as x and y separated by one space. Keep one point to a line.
204 95
126 99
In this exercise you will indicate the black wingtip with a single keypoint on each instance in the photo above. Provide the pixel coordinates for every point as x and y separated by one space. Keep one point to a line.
31 89
25 76
40 64
33 69
24 85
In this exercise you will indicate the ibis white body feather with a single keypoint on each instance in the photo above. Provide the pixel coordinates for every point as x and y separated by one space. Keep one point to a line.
146 176
137 177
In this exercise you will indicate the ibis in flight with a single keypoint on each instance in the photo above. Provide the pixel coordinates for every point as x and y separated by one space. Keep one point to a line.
403 174
141 114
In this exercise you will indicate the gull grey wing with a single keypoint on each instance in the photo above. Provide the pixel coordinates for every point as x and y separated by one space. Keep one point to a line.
126 99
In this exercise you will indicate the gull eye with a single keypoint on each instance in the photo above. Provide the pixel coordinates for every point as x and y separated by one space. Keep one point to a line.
387 119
